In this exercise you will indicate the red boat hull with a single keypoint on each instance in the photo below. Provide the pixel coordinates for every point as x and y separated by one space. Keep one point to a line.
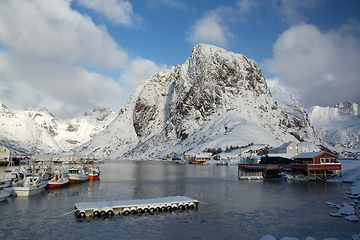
92 178
54 185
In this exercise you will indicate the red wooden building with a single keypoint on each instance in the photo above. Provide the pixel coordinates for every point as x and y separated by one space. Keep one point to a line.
318 165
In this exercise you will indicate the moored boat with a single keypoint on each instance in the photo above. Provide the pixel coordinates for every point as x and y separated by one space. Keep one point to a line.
5 184
5 190
4 194
78 174
60 179
94 173
31 185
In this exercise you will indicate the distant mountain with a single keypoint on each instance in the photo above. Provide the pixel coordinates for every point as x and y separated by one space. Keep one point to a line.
216 99
339 125
30 131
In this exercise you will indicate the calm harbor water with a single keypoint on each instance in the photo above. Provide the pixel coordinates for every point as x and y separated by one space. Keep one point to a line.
229 208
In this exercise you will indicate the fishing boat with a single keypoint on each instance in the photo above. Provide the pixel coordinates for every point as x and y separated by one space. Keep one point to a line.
5 184
94 173
59 179
5 190
30 185
4 194
78 174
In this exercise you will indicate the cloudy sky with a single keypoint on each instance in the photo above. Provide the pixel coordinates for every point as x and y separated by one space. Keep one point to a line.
73 56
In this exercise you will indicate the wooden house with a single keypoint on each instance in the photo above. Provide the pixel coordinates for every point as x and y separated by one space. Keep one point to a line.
316 164
200 159
286 148
4 153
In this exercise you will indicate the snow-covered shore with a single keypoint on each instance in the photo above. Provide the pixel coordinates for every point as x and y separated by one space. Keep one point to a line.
350 172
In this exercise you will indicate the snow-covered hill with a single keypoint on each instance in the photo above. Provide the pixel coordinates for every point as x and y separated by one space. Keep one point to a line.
31 131
216 99
339 125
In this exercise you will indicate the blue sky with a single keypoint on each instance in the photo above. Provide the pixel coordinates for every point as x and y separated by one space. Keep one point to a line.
72 56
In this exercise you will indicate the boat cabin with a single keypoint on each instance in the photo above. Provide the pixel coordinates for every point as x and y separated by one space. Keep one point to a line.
74 171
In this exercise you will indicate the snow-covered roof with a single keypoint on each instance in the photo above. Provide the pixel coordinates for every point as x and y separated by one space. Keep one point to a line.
191 154
203 156
307 155
284 145
283 155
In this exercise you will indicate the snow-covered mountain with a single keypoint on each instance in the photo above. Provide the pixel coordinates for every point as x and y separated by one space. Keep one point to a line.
339 125
31 131
216 99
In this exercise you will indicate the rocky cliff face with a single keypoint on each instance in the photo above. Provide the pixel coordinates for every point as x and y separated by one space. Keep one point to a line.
216 98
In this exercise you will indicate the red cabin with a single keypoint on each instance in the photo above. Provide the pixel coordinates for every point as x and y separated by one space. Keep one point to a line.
323 163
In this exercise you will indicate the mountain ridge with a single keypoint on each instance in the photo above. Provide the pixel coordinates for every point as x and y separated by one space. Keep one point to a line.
339 125
33 131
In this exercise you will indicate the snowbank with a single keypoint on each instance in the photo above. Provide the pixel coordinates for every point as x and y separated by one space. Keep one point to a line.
350 171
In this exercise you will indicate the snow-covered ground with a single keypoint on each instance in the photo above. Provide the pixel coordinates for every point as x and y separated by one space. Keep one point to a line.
350 171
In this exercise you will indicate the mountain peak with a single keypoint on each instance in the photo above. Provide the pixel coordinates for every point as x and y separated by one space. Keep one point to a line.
3 106
348 107
194 105
208 50
29 108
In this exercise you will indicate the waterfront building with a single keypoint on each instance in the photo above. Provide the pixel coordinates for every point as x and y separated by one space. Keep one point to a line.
4 153
316 165
286 148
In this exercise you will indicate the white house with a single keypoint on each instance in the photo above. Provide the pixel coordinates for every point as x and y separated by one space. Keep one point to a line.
4 153
288 147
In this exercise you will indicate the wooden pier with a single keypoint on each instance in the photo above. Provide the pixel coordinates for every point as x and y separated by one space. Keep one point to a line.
256 171
125 207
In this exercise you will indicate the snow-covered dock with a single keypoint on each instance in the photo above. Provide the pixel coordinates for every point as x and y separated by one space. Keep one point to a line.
89 209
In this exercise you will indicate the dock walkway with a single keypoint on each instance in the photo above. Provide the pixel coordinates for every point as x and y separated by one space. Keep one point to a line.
93 209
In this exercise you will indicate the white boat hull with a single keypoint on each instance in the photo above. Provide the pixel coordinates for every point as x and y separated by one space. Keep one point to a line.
28 191
58 184
78 178
4 194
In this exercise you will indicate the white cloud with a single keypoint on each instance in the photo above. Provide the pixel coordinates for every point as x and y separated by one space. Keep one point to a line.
47 47
209 29
318 68
52 28
139 70
56 85
117 11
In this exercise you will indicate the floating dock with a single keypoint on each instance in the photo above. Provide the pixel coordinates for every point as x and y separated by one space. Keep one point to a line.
125 207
